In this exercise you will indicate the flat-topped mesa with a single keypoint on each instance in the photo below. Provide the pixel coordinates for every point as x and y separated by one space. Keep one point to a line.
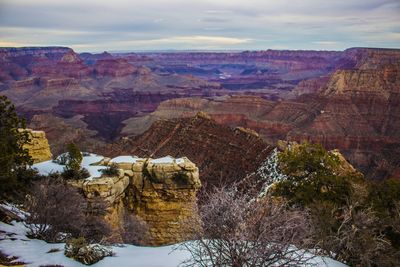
162 192
38 146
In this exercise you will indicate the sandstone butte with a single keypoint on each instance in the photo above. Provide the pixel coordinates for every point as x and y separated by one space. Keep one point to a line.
161 192
38 146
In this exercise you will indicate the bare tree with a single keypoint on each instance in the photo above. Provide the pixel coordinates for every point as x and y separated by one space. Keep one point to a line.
95 228
135 230
236 230
54 207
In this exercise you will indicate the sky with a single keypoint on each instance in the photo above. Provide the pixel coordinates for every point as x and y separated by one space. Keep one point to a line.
142 25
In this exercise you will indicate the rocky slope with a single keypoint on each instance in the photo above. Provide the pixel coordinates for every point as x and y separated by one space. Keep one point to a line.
356 111
222 154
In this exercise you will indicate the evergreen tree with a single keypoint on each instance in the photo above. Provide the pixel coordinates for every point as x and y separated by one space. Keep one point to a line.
13 157
74 157
73 169
313 176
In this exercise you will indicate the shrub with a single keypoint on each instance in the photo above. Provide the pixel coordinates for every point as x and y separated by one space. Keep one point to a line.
353 222
73 174
135 230
312 176
56 210
384 195
236 230
72 160
95 228
180 178
111 170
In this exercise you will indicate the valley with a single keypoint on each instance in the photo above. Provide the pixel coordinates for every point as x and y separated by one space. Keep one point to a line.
347 100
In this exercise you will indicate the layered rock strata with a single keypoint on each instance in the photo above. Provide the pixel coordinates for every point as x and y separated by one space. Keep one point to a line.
38 146
161 192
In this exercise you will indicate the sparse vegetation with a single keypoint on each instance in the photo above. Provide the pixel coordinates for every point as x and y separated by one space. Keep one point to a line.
73 160
135 230
72 174
111 170
74 157
354 221
180 178
235 230
58 211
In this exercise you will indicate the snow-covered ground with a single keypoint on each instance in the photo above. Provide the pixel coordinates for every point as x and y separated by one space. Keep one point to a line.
13 240
34 252
49 166
124 159
167 160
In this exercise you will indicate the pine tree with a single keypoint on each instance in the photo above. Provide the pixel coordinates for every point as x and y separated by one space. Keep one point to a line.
75 157
13 157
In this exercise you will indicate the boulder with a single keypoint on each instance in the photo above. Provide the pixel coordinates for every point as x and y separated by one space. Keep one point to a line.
88 254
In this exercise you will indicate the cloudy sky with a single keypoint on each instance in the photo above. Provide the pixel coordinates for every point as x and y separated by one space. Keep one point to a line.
122 25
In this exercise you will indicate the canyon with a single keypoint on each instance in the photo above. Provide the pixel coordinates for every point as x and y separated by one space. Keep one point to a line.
347 100
160 192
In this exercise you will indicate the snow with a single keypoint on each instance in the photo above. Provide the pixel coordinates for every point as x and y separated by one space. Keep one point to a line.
167 160
34 252
49 166
269 172
163 160
14 209
124 159
180 161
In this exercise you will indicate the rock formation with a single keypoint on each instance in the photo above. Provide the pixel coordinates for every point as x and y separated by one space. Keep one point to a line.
354 109
223 154
162 192
38 146
344 99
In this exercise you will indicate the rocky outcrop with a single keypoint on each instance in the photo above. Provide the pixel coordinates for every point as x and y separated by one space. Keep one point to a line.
38 146
162 192
223 154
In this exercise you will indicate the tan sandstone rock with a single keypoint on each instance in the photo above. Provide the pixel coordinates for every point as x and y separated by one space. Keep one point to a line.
38 147
162 192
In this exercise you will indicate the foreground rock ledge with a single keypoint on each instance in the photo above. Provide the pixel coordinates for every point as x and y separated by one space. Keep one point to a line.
162 192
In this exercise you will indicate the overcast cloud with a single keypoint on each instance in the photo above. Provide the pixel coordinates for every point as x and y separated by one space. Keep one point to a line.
115 25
